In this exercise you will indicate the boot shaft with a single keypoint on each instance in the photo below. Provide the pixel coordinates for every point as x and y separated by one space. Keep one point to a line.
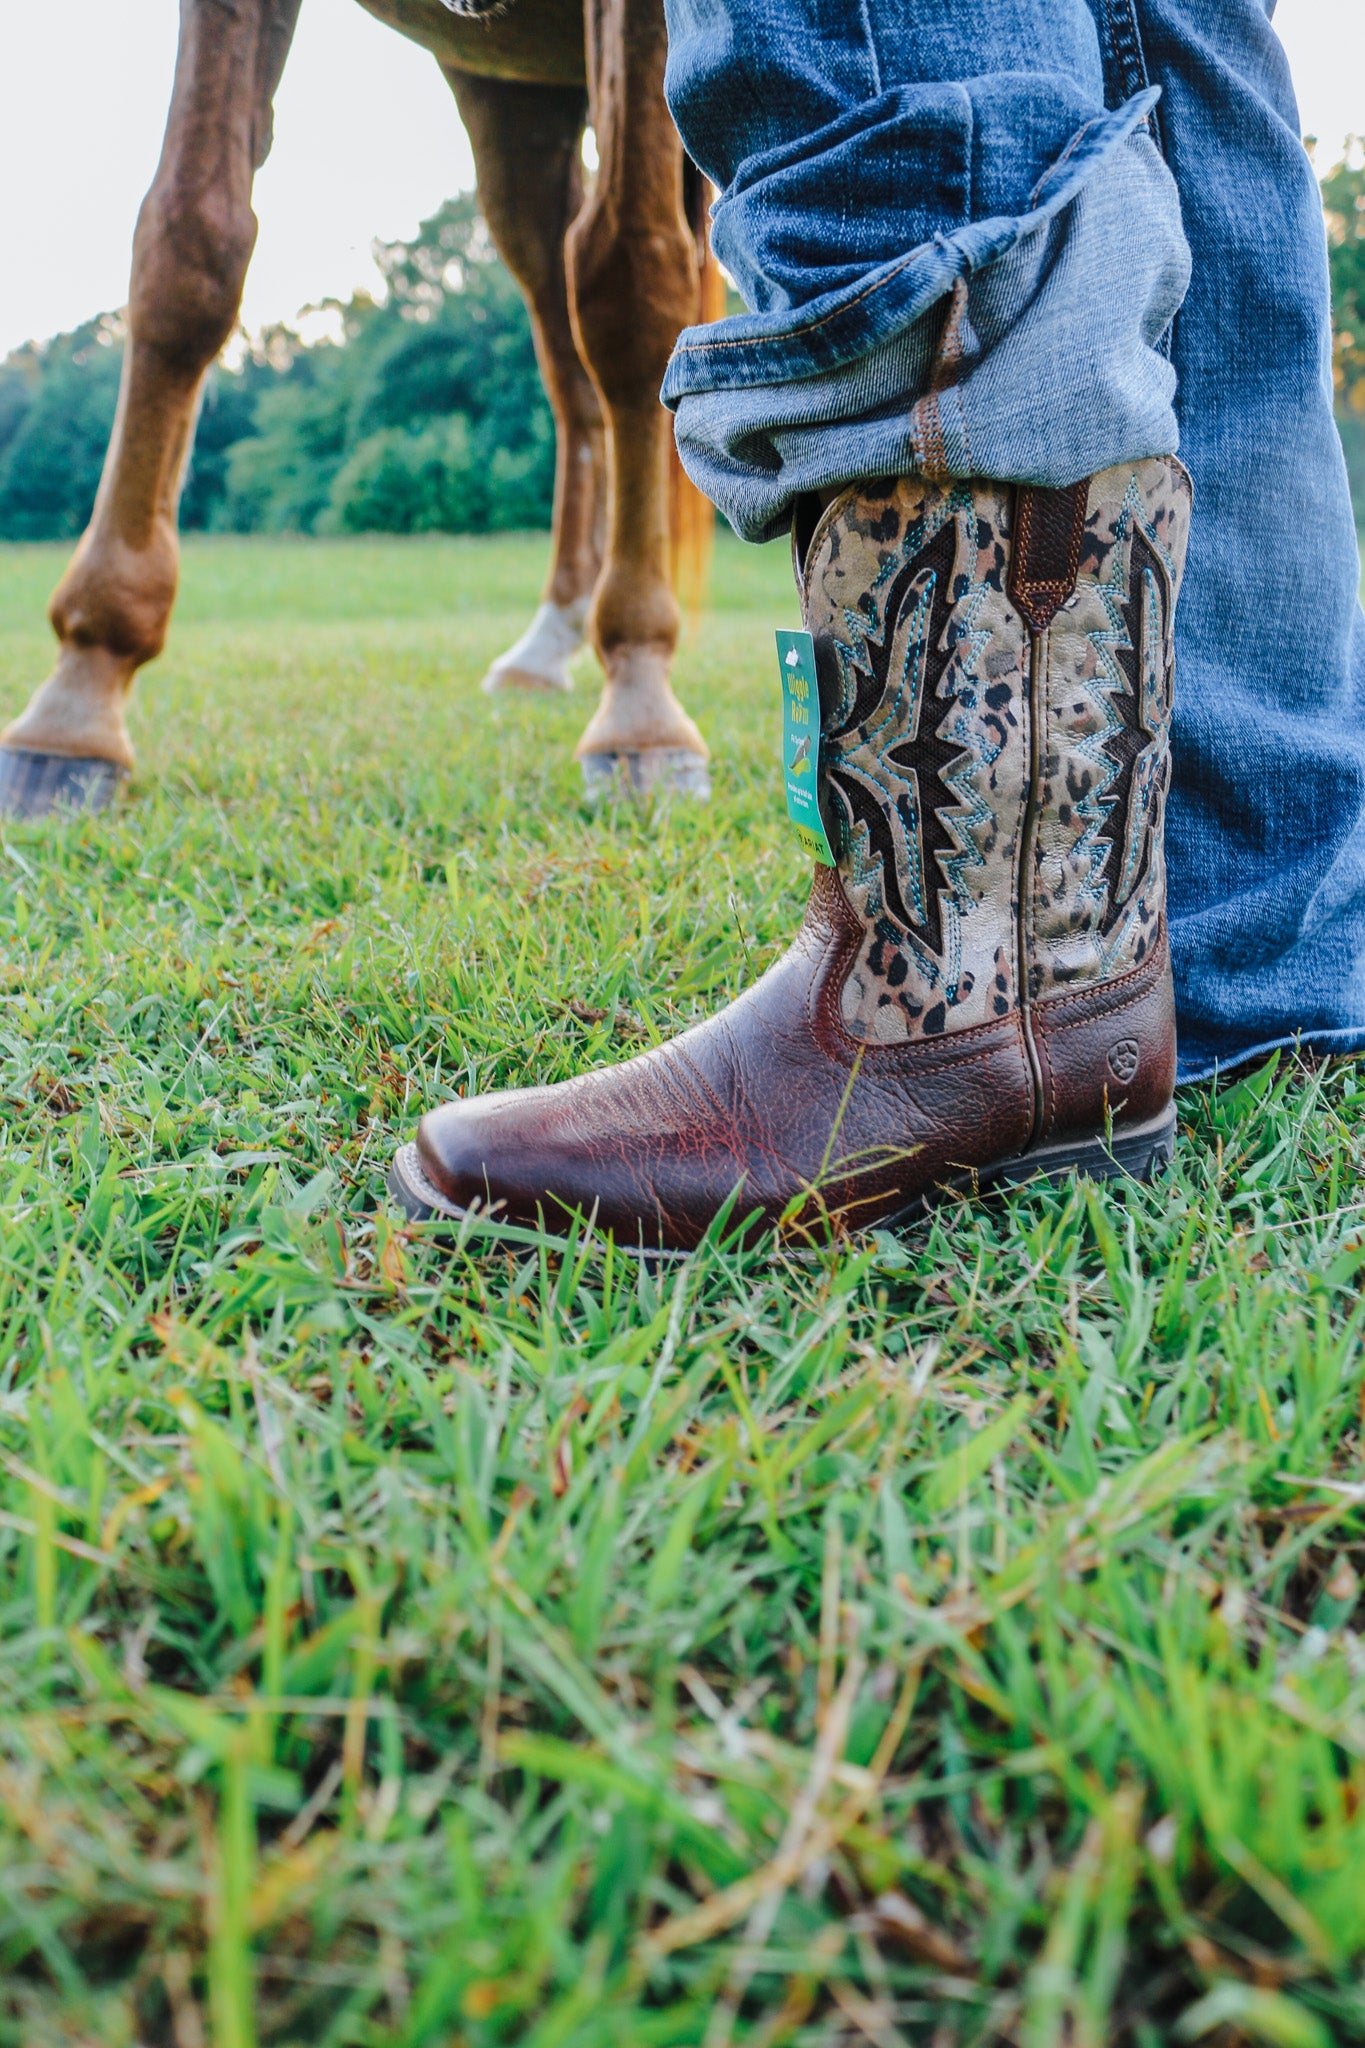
996 668
1103 679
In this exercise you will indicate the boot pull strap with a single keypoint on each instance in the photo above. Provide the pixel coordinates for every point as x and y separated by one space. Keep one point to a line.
1049 526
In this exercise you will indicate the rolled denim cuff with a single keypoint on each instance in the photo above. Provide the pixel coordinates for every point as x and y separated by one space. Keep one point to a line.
1048 369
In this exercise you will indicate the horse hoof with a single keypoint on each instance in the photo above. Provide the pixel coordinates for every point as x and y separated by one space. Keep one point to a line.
34 785
540 659
652 771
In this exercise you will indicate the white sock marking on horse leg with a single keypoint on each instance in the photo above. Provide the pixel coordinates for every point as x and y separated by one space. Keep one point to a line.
540 659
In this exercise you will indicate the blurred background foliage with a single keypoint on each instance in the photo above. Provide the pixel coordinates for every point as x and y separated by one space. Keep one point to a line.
424 413
421 414
1343 197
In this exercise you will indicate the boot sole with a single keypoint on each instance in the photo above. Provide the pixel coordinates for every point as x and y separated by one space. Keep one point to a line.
1141 1154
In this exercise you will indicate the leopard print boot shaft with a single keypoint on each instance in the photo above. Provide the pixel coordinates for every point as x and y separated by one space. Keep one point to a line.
980 989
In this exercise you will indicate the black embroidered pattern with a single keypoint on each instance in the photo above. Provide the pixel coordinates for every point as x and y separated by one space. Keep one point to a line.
1139 748
888 762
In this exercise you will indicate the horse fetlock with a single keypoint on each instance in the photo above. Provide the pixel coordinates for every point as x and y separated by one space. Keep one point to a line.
116 599
634 618
78 711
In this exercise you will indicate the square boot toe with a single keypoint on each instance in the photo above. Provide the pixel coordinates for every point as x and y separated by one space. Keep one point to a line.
539 1155
477 1152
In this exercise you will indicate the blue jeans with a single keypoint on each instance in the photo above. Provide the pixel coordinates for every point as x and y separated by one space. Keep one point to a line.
1101 212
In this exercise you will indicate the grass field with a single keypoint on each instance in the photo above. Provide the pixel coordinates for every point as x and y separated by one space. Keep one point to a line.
950 1641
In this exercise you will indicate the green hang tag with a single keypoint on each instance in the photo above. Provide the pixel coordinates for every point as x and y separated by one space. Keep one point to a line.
801 743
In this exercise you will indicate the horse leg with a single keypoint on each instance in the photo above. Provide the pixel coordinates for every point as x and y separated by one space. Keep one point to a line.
526 141
195 235
633 281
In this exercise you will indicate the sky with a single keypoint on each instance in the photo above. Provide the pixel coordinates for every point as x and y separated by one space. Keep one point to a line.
367 142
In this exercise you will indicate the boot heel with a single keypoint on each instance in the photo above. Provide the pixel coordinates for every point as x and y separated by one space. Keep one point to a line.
1143 1153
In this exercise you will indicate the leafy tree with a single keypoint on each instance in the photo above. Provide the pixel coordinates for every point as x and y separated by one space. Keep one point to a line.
226 416
422 413
56 409
276 478
426 414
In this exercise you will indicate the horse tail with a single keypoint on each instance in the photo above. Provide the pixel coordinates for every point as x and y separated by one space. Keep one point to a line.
691 517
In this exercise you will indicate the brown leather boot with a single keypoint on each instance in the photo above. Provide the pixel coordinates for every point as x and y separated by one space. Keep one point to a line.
980 991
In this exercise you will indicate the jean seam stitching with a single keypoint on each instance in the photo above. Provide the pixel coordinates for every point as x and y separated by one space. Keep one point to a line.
870 44
962 424
1125 41
1129 60
699 347
1072 146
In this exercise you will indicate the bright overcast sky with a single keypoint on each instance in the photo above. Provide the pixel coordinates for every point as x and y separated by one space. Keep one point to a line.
367 141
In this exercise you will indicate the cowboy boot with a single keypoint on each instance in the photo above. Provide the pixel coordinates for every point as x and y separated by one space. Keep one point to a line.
980 990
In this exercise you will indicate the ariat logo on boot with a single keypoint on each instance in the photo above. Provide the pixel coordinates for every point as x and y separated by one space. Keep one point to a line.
1122 1060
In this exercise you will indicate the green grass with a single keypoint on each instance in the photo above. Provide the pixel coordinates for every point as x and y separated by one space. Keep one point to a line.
949 1641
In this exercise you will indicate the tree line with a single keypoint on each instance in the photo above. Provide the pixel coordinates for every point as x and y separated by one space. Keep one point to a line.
421 413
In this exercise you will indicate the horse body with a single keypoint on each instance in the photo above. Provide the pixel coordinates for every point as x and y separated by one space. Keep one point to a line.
535 42
610 276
